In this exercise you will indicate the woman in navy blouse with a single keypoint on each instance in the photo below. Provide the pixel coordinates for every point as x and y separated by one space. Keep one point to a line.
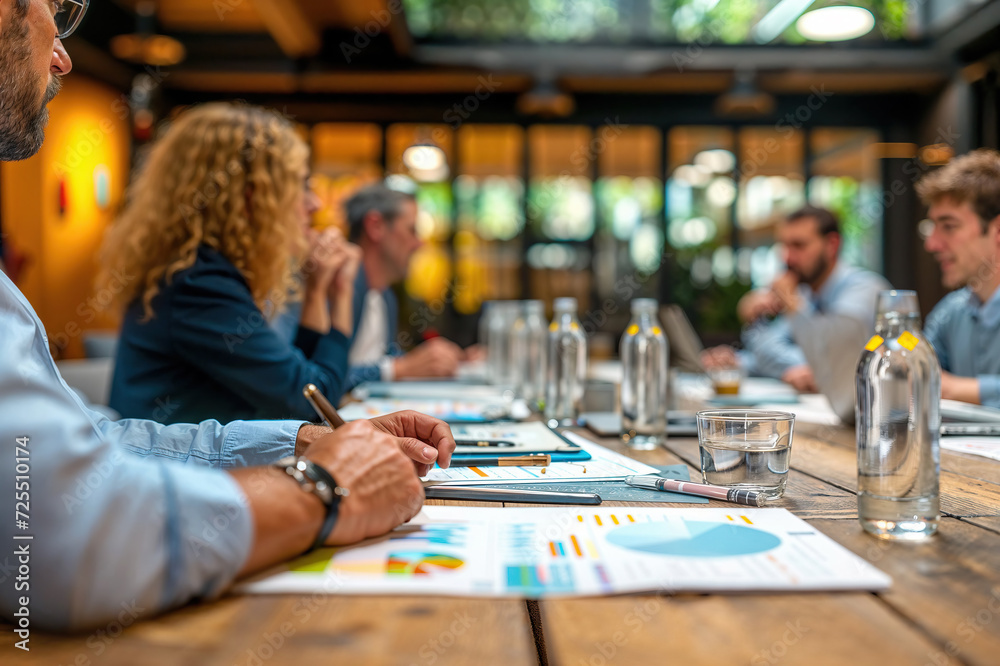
206 253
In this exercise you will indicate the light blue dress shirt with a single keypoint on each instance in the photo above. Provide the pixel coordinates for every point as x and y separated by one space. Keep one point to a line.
846 299
965 333
120 523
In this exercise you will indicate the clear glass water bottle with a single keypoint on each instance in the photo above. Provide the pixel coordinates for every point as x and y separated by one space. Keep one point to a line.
530 336
502 316
644 351
898 415
485 323
567 363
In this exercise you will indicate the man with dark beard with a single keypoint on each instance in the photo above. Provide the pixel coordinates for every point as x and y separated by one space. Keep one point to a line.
136 515
816 305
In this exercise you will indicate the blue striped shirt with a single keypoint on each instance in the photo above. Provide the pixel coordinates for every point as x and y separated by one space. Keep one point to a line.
965 333
126 516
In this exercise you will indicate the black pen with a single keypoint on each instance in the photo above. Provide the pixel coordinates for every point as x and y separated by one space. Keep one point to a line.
506 461
474 493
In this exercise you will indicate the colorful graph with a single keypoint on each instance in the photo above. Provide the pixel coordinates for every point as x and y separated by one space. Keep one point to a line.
419 563
693 539
534 580
444 534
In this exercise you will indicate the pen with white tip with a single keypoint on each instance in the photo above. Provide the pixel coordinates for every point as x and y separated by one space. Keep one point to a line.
748 497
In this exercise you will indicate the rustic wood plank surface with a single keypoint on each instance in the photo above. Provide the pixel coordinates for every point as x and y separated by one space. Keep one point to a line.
943 608
309 629
280 630
761 630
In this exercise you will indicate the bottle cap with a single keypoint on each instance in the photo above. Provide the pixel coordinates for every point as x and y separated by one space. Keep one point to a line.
533 307
644 305
565 304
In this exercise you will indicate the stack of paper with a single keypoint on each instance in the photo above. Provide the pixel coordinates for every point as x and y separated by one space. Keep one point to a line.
604 465
988 447
462 551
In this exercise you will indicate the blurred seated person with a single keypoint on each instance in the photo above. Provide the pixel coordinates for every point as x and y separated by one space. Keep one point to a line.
964 328
210 245
818 305
383 222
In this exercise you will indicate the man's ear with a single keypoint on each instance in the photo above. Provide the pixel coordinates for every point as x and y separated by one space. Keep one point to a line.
835 240
374 226
993 229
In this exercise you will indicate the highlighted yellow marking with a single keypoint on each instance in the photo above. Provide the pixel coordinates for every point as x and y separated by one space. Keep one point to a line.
598 519
729 517
614 518
553 326
874 343
631 519
576 545
656 330
574 326
314 562
908 340
746 520
479 472
580 518
633 329
591 550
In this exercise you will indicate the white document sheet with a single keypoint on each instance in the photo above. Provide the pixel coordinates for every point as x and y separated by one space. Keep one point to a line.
988 447
558 552
605 465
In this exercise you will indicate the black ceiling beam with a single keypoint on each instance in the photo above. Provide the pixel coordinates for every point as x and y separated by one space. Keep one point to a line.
591 108
586 60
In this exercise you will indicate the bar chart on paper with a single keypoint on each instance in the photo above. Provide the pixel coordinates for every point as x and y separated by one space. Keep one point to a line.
534 553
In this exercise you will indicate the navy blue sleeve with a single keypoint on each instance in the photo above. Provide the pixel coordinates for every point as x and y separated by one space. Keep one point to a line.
217 326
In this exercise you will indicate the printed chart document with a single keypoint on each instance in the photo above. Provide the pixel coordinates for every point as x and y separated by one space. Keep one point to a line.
553 552
988 447
604 465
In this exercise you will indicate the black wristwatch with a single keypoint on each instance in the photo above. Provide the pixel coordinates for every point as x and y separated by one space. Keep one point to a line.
314 479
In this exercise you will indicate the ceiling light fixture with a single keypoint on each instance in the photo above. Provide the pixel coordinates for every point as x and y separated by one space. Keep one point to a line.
776 21
745 98
143 46
423 157
835 24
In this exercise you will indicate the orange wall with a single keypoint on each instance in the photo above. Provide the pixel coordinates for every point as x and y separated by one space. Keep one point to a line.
88 127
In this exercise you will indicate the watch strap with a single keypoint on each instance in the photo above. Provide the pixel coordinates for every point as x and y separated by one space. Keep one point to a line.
316 480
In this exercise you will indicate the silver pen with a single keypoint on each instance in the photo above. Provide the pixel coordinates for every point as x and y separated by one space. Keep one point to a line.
748 497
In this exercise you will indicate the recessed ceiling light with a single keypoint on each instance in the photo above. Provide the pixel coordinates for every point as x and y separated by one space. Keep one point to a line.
835 24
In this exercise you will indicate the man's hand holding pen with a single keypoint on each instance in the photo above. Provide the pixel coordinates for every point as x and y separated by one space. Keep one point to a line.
424 439
384 490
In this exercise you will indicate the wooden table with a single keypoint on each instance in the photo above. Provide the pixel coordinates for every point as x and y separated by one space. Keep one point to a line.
943 607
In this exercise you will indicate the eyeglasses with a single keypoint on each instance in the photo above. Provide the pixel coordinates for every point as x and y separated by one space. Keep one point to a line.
67 15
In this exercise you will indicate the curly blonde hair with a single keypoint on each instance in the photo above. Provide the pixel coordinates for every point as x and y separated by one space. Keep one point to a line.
223 175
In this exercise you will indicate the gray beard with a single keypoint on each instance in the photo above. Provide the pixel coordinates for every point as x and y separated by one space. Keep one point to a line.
22 117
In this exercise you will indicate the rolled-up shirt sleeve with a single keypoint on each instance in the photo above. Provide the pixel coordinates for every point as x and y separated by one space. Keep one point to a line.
238 444
113 535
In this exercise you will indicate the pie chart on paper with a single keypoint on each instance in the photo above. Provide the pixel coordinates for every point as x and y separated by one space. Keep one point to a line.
419 563
699 539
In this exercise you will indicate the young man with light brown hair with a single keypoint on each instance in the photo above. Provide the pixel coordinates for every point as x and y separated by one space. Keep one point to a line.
964 328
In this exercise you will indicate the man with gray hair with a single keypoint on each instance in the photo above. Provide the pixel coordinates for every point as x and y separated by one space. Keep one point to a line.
383 222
